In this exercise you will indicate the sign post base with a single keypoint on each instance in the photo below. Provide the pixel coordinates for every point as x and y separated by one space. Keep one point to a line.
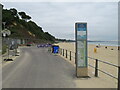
82 72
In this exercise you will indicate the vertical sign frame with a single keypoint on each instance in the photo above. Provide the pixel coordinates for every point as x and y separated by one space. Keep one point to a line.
81 49
1 7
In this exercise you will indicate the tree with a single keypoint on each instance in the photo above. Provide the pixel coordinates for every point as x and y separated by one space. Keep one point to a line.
14 11
28 17
7 16
24 16
49 36
19 27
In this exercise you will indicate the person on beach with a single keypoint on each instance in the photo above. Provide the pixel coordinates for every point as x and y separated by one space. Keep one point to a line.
99 45
106 47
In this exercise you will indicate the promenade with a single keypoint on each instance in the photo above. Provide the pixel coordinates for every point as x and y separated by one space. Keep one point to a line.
38 68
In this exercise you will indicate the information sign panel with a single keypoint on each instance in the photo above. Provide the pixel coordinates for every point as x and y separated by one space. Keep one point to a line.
81 44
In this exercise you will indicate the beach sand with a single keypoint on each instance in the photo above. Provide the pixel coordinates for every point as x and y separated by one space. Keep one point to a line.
108 55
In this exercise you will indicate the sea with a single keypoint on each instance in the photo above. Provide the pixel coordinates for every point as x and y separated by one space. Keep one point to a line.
105 43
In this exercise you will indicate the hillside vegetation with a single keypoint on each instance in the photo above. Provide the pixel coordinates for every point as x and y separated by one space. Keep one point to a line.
21 26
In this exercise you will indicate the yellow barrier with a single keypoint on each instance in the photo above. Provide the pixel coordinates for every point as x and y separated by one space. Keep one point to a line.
95 50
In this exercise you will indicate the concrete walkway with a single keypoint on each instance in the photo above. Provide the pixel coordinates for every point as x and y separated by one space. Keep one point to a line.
37 68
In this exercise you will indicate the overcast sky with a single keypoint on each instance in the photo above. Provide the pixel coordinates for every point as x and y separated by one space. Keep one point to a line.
58 18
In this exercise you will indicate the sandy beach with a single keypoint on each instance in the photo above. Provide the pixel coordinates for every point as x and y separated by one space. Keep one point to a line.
109 54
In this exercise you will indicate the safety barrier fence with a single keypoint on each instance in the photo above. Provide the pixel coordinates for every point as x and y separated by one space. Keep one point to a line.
72 56
10 46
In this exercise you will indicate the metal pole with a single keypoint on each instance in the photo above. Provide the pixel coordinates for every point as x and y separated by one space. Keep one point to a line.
70 55
96 68
15 51
63 52
75 58
15 48
60 51
119 78
4 24
66 53
8 51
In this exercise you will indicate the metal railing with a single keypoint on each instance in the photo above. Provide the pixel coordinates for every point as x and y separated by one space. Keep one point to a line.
67 53
72 55
97 69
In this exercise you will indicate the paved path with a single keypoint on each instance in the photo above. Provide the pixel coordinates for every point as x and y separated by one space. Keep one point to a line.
37 68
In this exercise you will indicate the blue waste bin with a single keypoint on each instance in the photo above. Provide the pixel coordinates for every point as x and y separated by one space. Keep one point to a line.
55 49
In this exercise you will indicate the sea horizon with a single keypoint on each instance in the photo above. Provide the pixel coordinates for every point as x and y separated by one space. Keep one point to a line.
103 43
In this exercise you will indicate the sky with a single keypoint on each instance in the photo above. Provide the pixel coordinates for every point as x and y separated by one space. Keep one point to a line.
59 18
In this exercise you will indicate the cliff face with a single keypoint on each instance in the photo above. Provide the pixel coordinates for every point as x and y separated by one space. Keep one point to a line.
21 26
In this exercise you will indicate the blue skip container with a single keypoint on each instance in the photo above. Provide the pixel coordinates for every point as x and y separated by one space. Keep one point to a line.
55 49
